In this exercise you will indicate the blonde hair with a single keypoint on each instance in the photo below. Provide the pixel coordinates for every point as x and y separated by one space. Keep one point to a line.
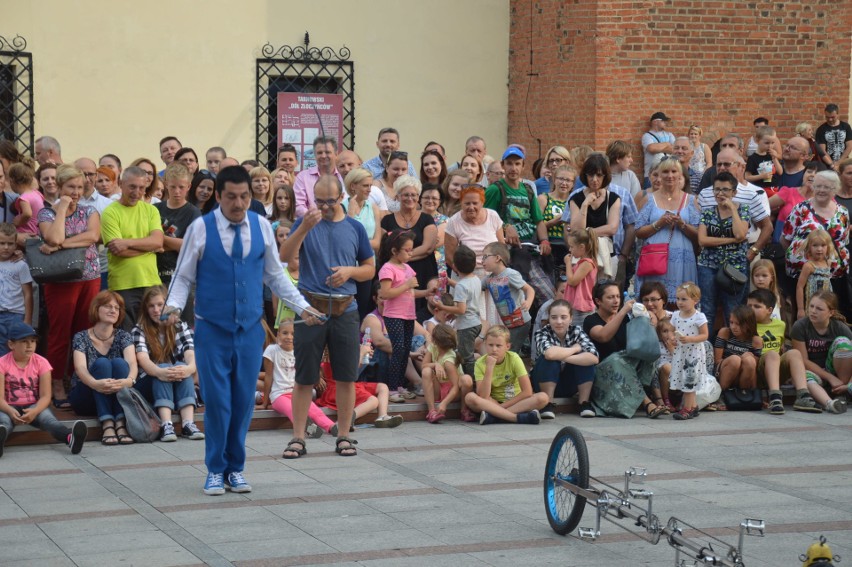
695 127
588 237
662 325
498 249
357 175
261 171
65 173
498 331
176 171
803 127
691 290
817 236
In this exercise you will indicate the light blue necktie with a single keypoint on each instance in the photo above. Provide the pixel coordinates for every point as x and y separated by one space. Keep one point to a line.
237 249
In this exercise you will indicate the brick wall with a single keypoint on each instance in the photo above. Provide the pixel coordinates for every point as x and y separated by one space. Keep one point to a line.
601 68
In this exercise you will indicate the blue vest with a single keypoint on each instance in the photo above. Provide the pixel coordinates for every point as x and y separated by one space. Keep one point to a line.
230 292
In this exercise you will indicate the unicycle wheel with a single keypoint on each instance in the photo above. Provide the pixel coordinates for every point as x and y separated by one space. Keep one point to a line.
568 461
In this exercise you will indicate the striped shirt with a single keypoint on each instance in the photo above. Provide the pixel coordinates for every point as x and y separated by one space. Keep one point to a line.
546 337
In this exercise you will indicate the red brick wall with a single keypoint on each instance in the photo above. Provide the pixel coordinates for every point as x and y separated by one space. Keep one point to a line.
601 68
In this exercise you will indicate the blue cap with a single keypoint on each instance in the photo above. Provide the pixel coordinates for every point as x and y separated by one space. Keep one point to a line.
513 151
20 330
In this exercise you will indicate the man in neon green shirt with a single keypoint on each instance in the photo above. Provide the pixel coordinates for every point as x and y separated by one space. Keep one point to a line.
132 233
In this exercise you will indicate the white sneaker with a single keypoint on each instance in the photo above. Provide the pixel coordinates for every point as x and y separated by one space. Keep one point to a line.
836 406
168 432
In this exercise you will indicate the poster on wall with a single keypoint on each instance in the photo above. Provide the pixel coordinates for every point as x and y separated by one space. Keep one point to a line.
304 116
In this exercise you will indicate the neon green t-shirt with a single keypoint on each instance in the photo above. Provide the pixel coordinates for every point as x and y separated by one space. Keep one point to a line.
772 334
505 381
123 222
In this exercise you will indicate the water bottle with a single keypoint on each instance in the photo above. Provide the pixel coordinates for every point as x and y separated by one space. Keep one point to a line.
366 341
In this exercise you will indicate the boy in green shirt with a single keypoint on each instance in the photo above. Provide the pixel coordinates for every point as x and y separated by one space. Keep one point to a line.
773 366
503 388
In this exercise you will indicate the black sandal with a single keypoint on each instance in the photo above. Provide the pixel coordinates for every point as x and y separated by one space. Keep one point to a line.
291 448
349 451
124 438
654 413
109 440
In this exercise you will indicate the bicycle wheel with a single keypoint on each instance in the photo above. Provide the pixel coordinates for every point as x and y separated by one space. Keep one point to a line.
567 460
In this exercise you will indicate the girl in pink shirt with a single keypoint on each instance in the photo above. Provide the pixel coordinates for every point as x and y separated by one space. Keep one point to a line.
582 247
398 290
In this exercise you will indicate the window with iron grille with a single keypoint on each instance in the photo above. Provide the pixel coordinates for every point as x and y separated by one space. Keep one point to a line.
16 94
302 69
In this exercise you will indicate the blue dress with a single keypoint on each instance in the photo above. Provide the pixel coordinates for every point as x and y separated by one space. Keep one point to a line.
682 266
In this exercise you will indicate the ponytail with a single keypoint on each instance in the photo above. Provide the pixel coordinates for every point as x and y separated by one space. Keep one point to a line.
588 238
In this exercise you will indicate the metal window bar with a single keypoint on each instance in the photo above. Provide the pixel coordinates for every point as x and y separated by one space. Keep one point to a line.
300 69
17 117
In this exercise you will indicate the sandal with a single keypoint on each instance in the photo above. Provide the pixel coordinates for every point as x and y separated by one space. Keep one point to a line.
109 439
653 413
662 404
124 438
349 451
61 404
292 448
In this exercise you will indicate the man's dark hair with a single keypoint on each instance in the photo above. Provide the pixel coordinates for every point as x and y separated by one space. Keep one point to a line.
232 174
760 119
831 107
433 143
287 148
726 177
764 297
464 260
330 179
388 130
250 162
169 139
326 140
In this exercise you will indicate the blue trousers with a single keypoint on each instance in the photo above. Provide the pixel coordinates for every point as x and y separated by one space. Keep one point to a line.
712 296
568 376
173 395
107 405
227 372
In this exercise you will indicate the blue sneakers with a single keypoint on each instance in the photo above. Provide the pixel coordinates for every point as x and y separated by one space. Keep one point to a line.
237 483
214 486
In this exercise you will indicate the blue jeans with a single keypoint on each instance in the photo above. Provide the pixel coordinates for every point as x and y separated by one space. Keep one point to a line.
106 406
167 394
711 297
45 421
568 376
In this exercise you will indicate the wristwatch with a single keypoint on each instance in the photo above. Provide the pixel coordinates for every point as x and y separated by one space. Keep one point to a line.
755 250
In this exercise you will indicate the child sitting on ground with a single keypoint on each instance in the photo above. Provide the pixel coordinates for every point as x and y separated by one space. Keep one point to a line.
369 396
503 388
25 383
441 374
773 367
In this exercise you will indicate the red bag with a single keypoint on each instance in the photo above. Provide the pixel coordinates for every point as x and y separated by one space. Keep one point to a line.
654 258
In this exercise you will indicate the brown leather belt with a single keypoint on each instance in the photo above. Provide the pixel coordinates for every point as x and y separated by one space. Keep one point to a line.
328 304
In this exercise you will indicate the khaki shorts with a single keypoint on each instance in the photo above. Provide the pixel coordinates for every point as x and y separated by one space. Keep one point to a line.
784 377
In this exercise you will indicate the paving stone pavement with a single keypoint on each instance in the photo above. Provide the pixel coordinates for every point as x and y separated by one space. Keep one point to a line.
450 494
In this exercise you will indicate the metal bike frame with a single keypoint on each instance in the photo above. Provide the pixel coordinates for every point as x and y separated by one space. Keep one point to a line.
613 504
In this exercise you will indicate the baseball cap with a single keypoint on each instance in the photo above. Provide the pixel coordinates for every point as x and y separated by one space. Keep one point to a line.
659 116
20 330
513 151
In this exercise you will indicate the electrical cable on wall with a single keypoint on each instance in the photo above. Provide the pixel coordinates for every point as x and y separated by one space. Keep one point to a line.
530 75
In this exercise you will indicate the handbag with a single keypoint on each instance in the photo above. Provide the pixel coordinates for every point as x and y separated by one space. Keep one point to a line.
642 341
61 266
654 258
730 280
743 400
141 420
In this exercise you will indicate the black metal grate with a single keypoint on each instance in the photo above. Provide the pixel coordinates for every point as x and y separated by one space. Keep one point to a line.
16 94
301 69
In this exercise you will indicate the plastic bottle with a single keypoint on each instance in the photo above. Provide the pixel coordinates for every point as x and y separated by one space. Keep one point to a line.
366 341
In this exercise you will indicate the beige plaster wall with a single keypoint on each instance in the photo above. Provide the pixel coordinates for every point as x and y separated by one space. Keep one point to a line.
117 76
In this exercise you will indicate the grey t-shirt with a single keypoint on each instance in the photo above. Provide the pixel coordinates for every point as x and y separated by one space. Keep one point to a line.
506 289
468 290
818 345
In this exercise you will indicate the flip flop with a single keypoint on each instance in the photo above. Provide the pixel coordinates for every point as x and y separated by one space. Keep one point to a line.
61 404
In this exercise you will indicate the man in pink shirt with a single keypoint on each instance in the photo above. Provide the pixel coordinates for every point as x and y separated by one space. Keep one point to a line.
325 153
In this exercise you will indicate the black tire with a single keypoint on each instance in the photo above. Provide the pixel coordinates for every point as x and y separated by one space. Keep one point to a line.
568 460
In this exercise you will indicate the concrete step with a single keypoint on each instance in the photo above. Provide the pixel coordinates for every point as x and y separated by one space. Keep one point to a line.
415 410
